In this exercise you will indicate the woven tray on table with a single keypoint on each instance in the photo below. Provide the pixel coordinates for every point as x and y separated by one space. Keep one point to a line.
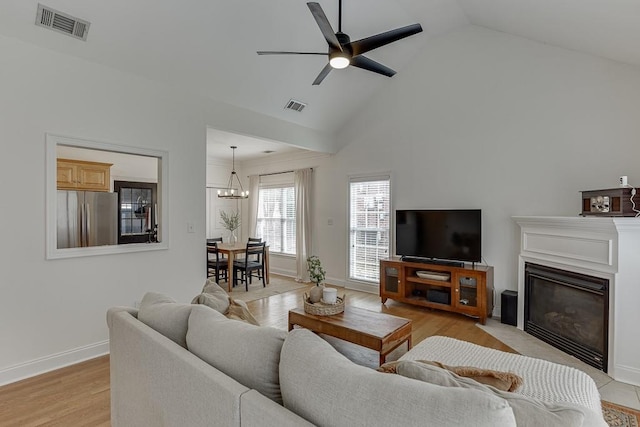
323 309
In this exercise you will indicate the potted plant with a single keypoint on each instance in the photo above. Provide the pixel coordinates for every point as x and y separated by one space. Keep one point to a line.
230 222
317 275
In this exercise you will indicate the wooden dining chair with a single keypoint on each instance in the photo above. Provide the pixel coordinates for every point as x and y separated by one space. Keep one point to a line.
216 262
254 240
253 262
216 240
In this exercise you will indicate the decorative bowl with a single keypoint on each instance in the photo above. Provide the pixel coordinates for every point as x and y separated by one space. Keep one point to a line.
323 309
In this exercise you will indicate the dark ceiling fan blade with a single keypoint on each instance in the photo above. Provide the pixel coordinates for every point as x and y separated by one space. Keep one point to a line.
272 52
371 65
325 71
325 26
369 43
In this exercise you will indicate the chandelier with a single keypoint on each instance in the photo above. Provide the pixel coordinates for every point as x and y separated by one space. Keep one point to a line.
230 192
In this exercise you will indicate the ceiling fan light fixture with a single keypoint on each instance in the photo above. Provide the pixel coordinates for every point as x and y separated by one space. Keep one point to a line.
343 52
339 60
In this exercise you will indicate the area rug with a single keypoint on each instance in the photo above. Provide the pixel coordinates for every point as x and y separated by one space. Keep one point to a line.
277 285
620 416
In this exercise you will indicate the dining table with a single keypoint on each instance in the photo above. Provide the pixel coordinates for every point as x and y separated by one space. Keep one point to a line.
232 250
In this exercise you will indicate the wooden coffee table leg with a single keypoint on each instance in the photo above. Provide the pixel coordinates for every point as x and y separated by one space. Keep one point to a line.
383 357
290 322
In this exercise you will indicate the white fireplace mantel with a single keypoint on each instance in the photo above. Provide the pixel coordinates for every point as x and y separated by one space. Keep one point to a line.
607 247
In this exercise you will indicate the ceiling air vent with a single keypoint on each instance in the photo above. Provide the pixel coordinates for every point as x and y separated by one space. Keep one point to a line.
295 105
62 22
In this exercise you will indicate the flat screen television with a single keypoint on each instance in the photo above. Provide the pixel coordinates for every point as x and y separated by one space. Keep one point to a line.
451 234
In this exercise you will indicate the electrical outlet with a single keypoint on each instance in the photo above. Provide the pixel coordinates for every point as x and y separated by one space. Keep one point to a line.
623 181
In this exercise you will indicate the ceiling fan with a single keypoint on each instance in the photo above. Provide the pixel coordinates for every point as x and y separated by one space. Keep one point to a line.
343 52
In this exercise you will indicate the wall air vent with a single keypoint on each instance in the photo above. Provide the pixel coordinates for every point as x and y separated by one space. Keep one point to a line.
295 105
62 22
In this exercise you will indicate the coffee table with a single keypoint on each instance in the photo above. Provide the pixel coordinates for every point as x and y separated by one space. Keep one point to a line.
377 331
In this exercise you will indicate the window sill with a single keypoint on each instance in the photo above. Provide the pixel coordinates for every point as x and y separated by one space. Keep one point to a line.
282 255
105 250
364 282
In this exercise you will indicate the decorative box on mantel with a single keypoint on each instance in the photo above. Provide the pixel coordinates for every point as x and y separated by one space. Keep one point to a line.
610 202
602 247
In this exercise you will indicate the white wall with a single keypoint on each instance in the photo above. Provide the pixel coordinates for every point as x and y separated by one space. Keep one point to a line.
52 312
485 120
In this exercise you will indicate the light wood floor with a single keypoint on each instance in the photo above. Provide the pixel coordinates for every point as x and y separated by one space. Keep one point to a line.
78 395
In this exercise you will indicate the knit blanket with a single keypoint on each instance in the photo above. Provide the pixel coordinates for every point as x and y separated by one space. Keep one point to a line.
543 380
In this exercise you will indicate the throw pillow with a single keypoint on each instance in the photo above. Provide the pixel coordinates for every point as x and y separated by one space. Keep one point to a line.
527 411
506 381
250 354
326 388
166 316
214 296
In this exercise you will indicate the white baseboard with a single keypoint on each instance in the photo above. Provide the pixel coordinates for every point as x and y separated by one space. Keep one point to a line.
497 311
335 282
52 362
283 272
626 374
363 287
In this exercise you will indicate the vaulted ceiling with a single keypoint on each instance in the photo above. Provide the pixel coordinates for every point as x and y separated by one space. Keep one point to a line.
209 47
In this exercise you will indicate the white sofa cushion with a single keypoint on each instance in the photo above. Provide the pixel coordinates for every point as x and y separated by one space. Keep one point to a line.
155 382
326 388
166 316
250 354
528 412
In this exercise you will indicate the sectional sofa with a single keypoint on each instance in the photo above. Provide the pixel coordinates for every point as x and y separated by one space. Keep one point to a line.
176 364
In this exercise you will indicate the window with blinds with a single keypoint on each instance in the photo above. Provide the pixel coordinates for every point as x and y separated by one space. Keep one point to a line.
276 223
369 224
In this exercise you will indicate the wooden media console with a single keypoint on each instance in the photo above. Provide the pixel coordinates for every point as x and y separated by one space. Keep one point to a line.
467 290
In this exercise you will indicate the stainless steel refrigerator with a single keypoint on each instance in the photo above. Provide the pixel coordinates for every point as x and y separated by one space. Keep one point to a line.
87 218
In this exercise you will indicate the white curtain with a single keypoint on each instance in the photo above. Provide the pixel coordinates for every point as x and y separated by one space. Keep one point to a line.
302 188
254 195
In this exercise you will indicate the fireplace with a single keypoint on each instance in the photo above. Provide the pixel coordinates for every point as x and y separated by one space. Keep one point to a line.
602 253
569 311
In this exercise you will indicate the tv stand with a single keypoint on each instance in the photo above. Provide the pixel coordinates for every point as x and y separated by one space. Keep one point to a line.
432 261
466 289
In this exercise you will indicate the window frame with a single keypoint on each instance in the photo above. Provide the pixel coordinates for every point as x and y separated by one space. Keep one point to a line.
368 178
282 220
51 191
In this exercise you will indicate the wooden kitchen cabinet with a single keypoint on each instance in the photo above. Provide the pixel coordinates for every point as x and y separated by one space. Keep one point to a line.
83 175
467 290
